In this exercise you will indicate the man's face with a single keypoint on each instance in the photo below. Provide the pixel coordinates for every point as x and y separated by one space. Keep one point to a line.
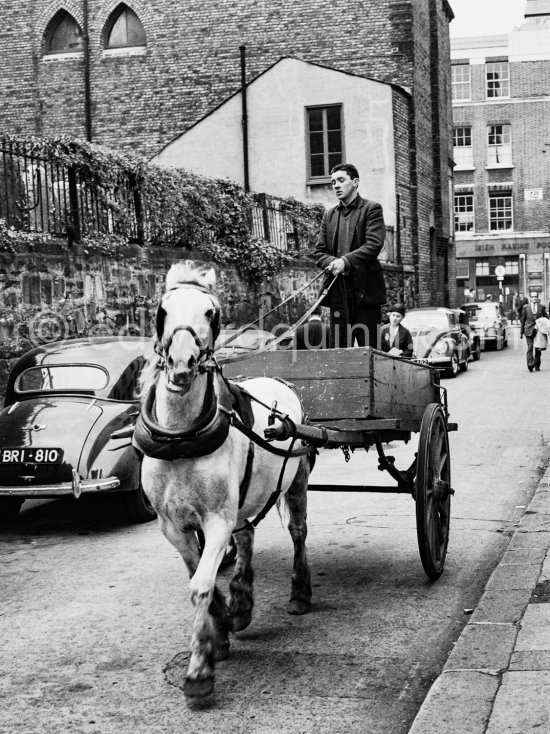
344 187
534 296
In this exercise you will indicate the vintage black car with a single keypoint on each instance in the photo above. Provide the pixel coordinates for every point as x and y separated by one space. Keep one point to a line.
438 339
64 404
473 336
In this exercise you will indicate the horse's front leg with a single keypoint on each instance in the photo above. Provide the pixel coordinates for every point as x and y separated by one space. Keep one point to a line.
209 639
296 499
241 601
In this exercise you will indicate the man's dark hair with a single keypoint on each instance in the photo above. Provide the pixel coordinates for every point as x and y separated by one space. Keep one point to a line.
349 168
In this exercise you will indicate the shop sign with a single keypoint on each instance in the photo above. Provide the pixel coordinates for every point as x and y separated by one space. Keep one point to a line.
533 194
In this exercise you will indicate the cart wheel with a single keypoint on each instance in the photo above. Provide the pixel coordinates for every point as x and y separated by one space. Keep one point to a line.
433 491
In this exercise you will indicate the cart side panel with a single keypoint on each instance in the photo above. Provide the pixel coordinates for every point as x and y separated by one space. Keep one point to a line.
347 384
402 389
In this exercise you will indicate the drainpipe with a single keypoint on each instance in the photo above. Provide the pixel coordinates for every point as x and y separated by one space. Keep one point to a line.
87 93
242 49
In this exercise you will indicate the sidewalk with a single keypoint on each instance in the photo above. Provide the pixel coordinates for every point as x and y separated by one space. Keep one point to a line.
497 678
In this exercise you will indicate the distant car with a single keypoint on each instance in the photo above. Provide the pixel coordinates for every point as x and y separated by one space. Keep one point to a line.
64 407
438 339
473 336
252 339
488 320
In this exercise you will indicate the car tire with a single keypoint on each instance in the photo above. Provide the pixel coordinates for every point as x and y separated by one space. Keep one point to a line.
9 508
505 339
463 366
136 506
476 354
454 368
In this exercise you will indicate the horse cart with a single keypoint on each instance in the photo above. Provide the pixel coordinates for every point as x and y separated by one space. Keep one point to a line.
363 398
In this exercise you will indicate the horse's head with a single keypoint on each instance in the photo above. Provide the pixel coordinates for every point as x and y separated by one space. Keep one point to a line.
188 323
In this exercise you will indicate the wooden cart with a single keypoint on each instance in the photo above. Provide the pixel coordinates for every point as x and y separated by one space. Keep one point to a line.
359 398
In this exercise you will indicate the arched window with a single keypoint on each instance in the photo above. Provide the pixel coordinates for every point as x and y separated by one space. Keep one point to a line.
63 35
125 29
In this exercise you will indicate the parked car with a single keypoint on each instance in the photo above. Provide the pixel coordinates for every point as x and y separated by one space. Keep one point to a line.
64 426
489 321
438 339
252 339
473 336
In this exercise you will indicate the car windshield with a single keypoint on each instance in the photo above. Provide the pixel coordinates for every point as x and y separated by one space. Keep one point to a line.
420 320
60 377
481 311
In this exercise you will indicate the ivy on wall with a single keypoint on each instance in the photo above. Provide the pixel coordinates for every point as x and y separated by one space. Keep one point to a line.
177 208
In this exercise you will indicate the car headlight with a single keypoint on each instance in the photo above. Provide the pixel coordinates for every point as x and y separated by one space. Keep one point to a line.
442 347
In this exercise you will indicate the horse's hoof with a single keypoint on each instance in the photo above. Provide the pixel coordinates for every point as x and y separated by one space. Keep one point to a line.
241 621
221 652
198 687
298 606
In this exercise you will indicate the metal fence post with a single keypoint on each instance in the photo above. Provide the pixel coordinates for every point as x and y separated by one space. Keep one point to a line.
74 233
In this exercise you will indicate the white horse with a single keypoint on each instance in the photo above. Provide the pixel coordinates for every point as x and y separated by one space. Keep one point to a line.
203 474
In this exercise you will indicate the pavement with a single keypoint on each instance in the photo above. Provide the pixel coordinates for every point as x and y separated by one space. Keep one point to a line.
497 678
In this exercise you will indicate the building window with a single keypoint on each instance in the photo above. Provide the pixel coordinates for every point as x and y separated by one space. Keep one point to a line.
464 212
461 81
482 268
500 211
499 145
498 79
462 151
463 268
124 29
512 267
325 141
63 35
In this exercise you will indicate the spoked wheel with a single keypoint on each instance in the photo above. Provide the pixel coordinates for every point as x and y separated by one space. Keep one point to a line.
433 491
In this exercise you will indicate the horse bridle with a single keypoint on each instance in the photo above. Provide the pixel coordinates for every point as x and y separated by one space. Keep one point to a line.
205 351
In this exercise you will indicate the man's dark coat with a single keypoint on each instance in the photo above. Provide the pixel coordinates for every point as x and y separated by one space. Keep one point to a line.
529 317
363 273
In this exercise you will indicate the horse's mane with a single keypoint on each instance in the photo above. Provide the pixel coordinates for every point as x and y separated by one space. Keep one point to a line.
185 272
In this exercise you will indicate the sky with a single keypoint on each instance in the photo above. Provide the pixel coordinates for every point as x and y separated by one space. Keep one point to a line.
485 17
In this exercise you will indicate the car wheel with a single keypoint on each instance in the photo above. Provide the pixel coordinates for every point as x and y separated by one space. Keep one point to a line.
137 507
476 354
453 371
9 508
464 365
505 339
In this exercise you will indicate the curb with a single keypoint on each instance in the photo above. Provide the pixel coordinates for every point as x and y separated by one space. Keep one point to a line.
486 660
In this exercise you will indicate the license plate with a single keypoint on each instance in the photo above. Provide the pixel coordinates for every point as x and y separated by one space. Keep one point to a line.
31 455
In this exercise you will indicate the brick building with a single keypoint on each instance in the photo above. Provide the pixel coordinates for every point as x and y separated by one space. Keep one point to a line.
501 113
135 75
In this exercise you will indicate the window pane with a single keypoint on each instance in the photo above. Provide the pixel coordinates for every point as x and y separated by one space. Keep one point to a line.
316 143
118 36
126 31
334 159
333 118
317 165
136 33
498 81
460 81
500 212
315 120
334 142
66 36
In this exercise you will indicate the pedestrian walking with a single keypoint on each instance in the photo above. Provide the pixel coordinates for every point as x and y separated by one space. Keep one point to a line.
532 311
314 334
351 237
